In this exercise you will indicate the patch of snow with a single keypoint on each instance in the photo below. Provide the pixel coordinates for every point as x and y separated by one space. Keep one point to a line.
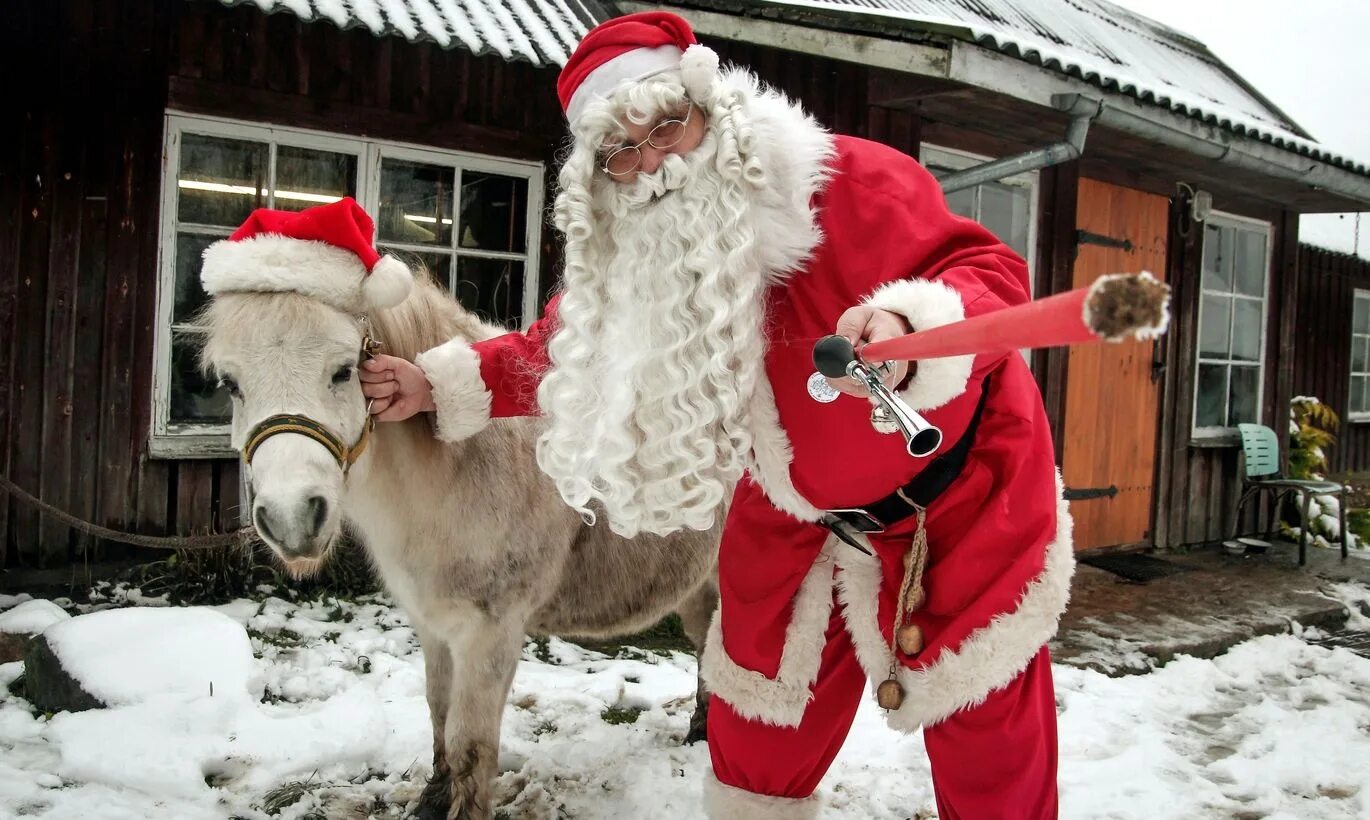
125 656
8 601
1273 728
32 617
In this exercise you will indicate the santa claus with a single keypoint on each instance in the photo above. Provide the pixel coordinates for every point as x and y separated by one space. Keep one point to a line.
713 232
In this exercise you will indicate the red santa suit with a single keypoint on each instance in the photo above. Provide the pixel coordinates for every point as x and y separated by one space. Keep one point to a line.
805 620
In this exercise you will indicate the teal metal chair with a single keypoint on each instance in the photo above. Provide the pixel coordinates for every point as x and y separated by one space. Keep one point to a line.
1264 473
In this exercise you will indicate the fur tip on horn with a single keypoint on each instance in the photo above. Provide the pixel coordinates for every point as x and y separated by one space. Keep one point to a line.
1126 304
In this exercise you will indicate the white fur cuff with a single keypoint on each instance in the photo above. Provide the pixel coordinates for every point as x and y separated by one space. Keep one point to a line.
723 802
780 701
927 304
459 392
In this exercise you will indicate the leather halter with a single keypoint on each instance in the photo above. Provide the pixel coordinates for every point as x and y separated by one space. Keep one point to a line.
344 455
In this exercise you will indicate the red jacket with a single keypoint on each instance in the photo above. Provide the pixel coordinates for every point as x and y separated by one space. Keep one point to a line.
1000 557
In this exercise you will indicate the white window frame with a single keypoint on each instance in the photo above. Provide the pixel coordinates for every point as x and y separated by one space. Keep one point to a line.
169 440
1364 415
1224 434
960 160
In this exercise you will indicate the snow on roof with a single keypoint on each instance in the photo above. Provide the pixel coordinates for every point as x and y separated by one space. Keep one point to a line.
543 32
1107 46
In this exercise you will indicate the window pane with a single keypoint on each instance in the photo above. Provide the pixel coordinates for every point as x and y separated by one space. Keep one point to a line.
221 180
1241 405
493 288
494 212
962 202
1217 272
1215 318
194 397
1360 350
1004 210
1250 266
305 177
1211 408
1246 330
438 265
1362 315
190 297
1358 394
416 203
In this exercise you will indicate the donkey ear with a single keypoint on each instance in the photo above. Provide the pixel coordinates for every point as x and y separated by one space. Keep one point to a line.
388 284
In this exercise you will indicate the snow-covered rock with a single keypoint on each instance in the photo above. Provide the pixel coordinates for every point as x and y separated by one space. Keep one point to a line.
32 617
120 657
20 624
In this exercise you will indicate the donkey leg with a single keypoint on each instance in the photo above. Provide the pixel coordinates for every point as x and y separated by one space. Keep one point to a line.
484 652
437 663
695 613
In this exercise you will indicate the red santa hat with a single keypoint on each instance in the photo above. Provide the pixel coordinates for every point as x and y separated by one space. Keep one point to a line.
633 48
325 252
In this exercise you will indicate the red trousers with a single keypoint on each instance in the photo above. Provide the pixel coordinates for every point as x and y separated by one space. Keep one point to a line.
993 761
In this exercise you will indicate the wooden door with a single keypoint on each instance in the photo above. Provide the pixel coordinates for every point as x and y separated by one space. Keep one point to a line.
1109 452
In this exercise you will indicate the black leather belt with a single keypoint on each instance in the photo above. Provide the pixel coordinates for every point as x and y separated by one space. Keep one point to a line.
921 490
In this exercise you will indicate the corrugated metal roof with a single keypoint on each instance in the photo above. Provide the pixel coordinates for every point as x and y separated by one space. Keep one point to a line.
1107 46
543 32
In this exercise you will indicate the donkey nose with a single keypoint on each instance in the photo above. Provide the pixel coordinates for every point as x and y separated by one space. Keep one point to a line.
318 514
261 516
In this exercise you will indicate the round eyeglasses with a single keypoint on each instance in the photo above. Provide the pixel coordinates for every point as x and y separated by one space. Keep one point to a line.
665 134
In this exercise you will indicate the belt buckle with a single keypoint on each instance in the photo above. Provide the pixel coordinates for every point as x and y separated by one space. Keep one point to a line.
859 520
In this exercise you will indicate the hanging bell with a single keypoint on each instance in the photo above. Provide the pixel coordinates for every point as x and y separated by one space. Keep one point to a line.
910 639
890 694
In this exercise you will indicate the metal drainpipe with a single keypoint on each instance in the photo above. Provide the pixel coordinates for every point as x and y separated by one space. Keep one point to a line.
1258 157
1054 154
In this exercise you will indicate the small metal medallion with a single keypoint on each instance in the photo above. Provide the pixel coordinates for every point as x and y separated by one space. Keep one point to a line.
820 390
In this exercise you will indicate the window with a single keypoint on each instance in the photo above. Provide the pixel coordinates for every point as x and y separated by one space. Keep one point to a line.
472 221
1008 207
1360 358
1231 349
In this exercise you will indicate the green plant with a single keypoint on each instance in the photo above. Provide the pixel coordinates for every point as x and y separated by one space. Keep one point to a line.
1312 432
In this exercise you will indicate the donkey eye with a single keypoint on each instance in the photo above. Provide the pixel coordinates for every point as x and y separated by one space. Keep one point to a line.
227 383
343 375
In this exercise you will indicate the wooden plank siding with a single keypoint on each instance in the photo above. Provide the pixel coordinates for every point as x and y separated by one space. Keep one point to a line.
78 255
1198 484
1327 282
80 183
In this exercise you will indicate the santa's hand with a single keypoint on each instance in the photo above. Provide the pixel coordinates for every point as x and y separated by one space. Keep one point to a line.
862 325
396 387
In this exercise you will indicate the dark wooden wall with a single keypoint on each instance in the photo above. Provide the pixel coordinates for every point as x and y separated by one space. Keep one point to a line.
1198 484
1322 345
80 178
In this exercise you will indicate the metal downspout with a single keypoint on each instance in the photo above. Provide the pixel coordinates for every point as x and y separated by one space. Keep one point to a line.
1054 154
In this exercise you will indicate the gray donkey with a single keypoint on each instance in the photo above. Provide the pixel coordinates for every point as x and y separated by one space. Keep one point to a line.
470 538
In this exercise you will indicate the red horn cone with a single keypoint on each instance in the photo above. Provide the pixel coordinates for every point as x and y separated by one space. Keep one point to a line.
1111 309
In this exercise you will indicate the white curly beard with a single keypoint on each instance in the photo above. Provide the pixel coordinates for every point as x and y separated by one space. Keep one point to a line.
660 348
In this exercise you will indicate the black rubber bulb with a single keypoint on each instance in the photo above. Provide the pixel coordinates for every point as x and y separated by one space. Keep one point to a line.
831 356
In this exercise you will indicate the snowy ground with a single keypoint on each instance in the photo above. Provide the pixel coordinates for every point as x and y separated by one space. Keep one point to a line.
1276 728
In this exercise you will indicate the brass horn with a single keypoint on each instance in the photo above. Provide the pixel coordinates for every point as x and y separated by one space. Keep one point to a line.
835 358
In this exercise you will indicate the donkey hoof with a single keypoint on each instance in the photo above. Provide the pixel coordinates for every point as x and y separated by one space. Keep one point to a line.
435 800
697 733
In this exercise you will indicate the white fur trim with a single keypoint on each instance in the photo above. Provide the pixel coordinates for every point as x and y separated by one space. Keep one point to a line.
987 660
698 71
927 303
724 802
630 66
270 263
780 701
388 284
772 454
459 392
